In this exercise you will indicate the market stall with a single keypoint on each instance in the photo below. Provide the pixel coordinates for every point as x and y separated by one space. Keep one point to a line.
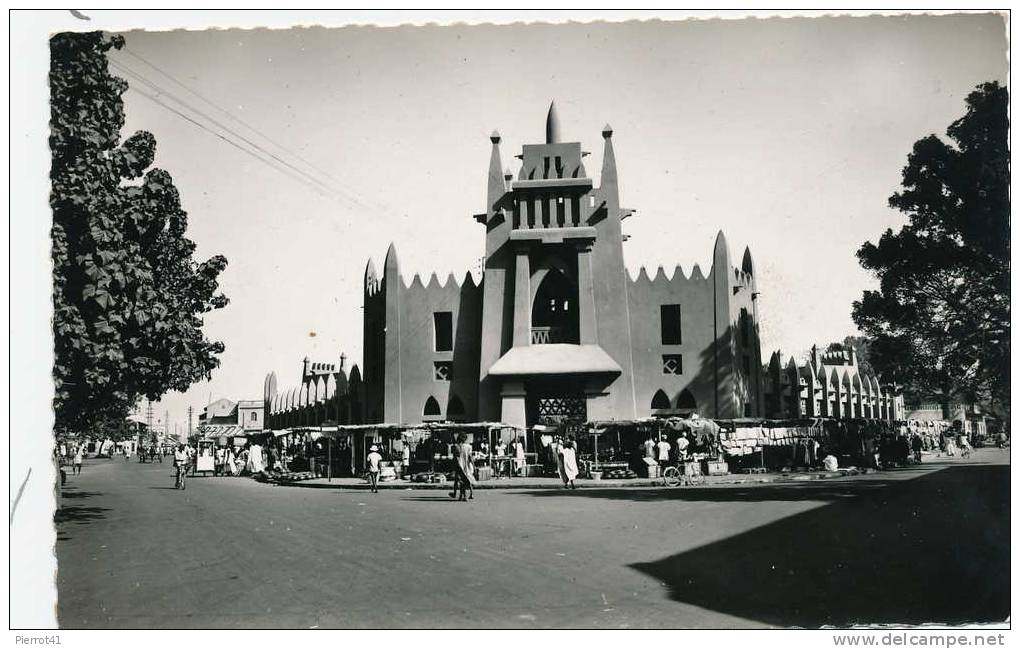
429 446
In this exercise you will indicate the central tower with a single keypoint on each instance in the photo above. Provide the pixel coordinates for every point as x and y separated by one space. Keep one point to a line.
554 317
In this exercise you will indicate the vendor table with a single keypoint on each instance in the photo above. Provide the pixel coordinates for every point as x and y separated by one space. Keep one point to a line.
502 466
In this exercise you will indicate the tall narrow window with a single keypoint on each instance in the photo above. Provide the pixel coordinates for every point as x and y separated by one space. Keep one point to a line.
443 321
669 319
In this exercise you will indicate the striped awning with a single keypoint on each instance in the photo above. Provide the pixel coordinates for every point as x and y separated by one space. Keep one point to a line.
217 431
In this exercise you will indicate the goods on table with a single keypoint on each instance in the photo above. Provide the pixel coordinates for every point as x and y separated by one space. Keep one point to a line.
619 474
429 478
295 477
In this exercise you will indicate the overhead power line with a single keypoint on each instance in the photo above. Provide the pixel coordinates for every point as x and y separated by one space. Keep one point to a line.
310 180
237 146
229 114
334 184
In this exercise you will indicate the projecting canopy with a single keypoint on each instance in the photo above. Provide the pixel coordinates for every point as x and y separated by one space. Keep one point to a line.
530 360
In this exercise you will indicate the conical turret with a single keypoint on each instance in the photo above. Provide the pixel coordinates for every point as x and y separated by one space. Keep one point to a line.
552 125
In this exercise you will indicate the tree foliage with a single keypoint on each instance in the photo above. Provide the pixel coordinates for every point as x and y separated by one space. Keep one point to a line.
939 322
862 348
128 295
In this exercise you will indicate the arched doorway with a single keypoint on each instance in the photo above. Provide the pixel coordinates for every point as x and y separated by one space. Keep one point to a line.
686 402
660 401
554 312
431 408
455 409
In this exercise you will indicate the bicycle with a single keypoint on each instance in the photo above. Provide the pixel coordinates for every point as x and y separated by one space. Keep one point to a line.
182 472
687 474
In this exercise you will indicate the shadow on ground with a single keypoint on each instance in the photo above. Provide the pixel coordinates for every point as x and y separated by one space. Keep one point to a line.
795 491
79 514
76 513
932 549
73 493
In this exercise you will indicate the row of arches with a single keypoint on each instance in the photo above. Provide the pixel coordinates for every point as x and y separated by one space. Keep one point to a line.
684 401
840 392
454 409
332 397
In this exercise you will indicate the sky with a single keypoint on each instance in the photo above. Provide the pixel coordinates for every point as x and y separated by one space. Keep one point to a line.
789 135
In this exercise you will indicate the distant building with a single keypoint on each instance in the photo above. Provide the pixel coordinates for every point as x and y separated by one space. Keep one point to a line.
248 415
829 385
969 418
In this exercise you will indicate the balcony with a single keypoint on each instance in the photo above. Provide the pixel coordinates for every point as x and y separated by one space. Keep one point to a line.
553 336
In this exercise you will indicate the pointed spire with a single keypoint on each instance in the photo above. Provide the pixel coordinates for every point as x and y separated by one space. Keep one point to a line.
391 266
552 125
497 184
608 182
747 265
370 276
721 257
720 243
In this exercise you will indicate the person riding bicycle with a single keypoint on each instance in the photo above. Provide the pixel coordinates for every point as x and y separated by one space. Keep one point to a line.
181 465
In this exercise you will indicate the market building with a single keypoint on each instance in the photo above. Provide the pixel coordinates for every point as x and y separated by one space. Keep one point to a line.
556 330
830 384
325 393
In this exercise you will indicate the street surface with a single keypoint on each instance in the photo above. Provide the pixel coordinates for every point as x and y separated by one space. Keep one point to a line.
925 544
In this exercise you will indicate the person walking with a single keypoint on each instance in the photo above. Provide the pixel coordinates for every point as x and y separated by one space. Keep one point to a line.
519 459
79 454
965 447
568 463
465 471
373 467
916 446
230 462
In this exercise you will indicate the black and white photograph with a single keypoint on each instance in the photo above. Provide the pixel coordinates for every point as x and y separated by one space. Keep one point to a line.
620 320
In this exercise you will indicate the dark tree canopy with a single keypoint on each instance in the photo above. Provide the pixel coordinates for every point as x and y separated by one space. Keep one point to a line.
939 322
128 296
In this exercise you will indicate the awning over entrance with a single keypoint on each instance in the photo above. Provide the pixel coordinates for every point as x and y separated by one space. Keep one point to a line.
530 360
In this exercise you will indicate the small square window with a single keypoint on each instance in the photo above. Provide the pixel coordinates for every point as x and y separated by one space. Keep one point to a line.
672 364
442 370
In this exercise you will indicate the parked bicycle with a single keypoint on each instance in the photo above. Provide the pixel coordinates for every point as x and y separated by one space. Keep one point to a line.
687 474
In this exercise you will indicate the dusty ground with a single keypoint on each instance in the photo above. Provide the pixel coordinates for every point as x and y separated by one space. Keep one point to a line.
923 544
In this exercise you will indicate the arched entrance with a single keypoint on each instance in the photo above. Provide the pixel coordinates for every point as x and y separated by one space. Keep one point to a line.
554 311
686 403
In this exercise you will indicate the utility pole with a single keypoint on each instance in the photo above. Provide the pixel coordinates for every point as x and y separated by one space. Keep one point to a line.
189 422
148 421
